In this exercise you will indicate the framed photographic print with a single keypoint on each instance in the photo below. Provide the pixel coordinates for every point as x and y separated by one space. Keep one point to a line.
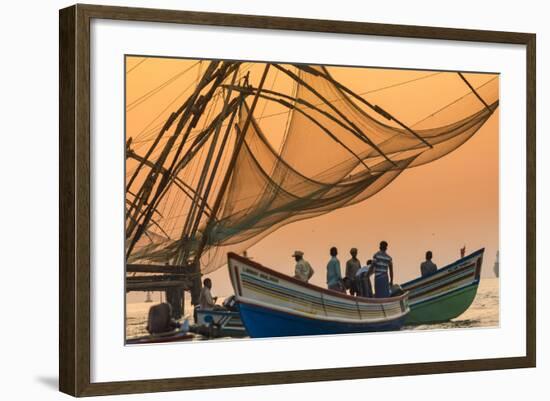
236 186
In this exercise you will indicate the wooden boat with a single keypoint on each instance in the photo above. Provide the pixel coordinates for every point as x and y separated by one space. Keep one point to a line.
219 322
210 177
447 293
272 304
172 336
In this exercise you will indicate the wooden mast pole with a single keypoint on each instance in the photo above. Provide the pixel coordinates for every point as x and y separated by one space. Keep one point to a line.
147 187
223 188
204 204
196 109
171 175
475 92
195 212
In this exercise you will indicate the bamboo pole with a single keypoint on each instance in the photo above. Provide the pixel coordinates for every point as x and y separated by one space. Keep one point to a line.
195 211
147 187
163 186
475 92
224 185
235 154
196 109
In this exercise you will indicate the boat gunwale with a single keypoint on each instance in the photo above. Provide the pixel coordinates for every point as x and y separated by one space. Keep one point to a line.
444 268
304 315
293 280
474 284
438 285
217 312
441 277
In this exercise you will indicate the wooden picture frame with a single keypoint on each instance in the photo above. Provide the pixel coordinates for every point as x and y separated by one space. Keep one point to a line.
74 204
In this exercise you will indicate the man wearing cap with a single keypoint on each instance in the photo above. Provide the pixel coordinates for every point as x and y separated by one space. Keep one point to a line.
303 270
352 266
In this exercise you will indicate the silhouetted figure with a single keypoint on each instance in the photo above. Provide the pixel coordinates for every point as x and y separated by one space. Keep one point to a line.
303 270
160 319
428 267
352 266
206 300
334 273
383 271
362 277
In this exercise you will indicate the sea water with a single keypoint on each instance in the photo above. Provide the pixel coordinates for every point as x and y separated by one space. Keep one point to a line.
484 312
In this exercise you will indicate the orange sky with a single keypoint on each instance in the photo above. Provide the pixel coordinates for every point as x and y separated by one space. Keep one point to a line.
439 206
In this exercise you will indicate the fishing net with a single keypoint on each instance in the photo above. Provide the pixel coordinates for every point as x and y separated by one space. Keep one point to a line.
335 152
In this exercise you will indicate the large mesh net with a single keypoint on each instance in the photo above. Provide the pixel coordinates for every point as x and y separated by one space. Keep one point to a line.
334 152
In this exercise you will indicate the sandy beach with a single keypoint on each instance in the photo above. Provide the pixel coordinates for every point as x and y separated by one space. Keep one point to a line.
484 312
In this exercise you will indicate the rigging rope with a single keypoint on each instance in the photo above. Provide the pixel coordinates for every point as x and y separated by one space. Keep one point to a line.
136 65
136 102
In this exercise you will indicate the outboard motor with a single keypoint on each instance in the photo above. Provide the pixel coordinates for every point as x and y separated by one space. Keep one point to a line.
230 303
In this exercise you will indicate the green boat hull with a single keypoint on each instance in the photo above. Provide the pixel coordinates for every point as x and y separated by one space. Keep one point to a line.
444 308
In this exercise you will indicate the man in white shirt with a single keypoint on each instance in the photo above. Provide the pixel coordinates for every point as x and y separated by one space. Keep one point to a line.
206 301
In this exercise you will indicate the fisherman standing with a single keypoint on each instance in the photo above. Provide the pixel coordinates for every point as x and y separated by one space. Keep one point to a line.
383 271
352 266
334 273
303 270
362 278
428 267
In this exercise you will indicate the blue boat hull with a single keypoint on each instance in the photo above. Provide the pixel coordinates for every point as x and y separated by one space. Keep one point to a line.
265 322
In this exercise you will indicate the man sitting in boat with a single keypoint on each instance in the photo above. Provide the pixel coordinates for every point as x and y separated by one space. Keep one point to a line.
352 266
303 270
383 271
428 267
334 273
206 300
362 278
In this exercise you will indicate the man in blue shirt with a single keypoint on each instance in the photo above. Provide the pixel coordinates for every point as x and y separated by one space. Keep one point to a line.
383 272
334 274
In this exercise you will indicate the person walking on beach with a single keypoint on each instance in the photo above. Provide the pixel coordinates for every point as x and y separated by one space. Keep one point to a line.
383 272
206 301
352 266
303 270
334 273
428 267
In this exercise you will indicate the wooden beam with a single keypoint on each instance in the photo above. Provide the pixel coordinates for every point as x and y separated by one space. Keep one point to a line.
157 286
475 92
233 161
139 268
